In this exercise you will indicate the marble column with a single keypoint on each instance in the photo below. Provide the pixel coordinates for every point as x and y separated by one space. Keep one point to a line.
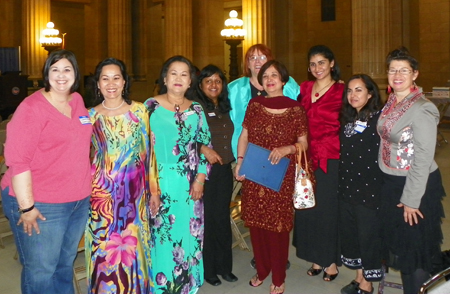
178 28
35 16
119 32
139 49
370 32
257 22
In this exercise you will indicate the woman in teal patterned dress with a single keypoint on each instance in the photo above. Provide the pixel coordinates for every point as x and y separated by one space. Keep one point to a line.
178 124
117 233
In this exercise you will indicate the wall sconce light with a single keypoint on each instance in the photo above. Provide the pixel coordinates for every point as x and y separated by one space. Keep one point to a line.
50 41
233 34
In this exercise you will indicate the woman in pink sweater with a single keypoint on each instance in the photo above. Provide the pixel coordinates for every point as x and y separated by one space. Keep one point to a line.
45 191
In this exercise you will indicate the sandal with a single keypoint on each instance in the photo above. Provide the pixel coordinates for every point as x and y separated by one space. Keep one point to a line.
255 282
277 289
327 277
314 271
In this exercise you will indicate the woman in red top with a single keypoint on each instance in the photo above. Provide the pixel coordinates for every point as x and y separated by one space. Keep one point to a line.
315 230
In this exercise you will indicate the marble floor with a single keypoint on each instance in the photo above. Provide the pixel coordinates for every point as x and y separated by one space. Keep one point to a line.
297 280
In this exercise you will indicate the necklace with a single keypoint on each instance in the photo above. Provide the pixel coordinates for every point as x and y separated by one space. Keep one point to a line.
317 92
113 108
176 106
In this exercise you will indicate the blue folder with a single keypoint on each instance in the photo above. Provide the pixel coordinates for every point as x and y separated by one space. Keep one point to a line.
257 168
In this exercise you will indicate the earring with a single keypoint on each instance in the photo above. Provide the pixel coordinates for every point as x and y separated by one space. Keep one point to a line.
414 86
98 93
123 92
389 89
309 70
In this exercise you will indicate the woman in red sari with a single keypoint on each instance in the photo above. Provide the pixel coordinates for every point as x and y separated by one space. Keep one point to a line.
274 122
315 230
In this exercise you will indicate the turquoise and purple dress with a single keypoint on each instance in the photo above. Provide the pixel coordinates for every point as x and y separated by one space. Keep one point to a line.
177 230
117 233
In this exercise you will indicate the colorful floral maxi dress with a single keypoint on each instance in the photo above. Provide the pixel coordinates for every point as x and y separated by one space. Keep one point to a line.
177 230
117 233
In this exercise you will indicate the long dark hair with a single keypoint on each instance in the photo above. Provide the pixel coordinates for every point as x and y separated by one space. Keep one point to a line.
350 114
190 93
53 58
123 70
328 54
224 102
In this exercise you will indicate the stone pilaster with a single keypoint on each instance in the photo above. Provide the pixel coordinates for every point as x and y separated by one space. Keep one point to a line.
139 13
178 28
35 16
257 22
370 32
119 32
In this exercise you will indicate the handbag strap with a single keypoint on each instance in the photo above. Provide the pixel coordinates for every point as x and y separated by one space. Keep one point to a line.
299 156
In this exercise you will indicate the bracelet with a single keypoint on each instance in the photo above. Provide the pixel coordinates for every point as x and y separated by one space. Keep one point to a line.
22 211
240 157
201 183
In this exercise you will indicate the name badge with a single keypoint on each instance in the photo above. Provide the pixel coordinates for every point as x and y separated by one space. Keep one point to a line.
360 126
84 120
190 112
211 114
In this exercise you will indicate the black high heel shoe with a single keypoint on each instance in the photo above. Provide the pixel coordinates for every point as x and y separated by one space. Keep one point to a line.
327 277
314 271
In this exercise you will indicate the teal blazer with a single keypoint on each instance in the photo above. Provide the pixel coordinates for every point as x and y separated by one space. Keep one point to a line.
239 92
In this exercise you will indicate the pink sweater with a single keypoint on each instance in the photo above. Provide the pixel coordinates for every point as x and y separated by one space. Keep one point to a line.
52 146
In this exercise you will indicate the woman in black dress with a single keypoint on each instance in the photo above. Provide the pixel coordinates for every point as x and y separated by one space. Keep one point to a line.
360 181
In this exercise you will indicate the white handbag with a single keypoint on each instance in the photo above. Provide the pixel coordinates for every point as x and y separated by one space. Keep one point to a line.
304 191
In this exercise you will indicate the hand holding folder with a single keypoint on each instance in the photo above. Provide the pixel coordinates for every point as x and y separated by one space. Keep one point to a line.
257 168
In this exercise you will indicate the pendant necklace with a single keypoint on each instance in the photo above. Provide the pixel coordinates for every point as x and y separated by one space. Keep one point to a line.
177 106
317 92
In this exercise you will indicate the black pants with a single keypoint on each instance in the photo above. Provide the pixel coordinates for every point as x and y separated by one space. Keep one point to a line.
217 255
360 237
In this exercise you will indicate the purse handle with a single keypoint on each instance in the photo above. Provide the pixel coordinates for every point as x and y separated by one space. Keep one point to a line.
299 156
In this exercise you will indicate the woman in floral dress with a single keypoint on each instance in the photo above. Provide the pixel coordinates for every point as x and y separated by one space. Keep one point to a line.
178 124
117 233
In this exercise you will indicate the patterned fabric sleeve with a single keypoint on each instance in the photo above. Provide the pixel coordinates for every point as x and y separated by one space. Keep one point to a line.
203 136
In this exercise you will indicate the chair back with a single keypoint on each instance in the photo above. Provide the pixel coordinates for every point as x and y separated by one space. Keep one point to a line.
433 285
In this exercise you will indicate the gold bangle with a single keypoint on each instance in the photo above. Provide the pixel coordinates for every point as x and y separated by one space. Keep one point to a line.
201 183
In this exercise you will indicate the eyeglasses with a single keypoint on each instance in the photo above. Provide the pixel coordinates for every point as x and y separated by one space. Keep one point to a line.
254 58
402 71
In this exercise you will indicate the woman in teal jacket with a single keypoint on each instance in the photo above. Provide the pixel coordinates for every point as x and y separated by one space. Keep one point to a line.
243 89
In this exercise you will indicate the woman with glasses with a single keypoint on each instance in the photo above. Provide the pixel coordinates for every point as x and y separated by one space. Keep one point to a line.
411 208
245 88
316 230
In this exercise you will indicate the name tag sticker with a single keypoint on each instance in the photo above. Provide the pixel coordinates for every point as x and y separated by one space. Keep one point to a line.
190 112
360 126
85 120
211 114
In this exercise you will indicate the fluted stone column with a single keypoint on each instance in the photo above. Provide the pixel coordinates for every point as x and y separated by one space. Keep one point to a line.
119 31
178 28
370 32
257 22
35 16
139 49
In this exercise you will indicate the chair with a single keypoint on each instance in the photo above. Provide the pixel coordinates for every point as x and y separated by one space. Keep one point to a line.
431 286
383 283
235 217
79 272
443 107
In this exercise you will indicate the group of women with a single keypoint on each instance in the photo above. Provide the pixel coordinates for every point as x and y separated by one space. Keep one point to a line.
161 178
378 189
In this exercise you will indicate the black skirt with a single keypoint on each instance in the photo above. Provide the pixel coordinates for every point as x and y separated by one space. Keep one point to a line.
406 247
